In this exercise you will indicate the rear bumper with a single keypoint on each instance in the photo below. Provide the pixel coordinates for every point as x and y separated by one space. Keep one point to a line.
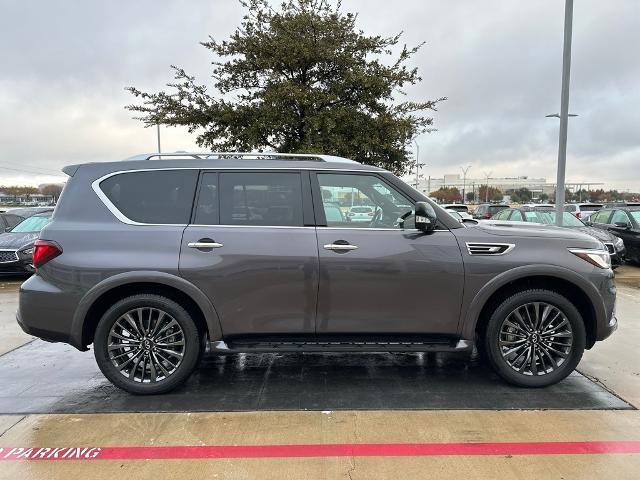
46 312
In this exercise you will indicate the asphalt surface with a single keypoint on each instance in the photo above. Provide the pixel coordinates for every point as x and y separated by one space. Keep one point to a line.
53 378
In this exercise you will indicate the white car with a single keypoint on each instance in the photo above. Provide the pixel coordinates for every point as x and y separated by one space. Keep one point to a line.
459 215
582 210
361 214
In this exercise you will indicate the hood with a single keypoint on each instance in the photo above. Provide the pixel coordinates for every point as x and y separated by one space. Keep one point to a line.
598 233
17 240
529 229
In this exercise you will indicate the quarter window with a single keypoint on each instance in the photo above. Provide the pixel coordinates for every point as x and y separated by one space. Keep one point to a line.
163 196
268 199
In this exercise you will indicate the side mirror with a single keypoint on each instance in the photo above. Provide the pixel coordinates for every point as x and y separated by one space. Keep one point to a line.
425 217
624 225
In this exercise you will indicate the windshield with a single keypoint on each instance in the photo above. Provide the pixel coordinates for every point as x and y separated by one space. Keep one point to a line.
636 215
361 209
549 218
31 224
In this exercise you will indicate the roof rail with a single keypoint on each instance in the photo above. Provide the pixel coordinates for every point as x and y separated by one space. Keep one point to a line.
242 155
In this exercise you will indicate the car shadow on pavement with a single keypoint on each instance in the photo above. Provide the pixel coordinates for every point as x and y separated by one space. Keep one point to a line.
54 378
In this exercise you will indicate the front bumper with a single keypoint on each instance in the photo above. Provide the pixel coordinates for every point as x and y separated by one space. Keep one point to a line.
21 265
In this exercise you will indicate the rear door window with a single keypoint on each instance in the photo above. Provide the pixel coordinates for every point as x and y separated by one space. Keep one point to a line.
261 198
158 197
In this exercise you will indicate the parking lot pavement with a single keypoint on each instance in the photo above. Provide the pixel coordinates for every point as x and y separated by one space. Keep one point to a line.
501 433
628 275
11 335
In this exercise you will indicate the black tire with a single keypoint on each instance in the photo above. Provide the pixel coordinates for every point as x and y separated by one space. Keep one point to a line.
187 333
573 329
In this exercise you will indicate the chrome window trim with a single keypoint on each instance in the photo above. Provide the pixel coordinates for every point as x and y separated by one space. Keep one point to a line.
95 185
361 229
200 225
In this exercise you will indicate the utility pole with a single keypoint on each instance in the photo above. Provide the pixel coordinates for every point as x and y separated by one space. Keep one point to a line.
158 130
486 190
564 111
417 163
464 181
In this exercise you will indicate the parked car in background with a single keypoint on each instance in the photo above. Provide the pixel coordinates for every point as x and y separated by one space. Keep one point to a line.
361 214
621 204
488 210
27 212
459 215
334 213
582 210
542 206
624 223
544 216
16 245
8 221
458 207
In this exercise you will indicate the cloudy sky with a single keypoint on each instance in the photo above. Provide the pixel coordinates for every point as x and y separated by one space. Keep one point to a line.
64 66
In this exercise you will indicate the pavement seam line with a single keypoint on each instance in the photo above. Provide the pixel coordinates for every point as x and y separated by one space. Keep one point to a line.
18 347
602 385
12 425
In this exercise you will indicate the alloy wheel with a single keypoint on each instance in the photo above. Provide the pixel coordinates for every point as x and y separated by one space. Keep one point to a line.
536 338
146 345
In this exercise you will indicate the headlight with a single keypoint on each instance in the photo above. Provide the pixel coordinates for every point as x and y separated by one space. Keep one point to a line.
27 251
618 243
599 258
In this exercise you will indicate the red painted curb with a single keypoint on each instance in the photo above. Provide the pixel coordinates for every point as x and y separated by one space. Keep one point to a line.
318 450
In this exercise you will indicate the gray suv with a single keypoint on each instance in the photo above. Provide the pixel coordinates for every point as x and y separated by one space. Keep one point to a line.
154 261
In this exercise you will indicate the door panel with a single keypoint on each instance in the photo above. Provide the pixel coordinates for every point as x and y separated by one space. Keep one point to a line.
253 251
262 280
394 282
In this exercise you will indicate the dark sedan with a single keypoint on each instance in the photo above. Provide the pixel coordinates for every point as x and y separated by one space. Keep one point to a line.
623 222
615 246
16 245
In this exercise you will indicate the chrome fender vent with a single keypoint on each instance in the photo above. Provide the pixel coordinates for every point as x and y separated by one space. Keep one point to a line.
480 248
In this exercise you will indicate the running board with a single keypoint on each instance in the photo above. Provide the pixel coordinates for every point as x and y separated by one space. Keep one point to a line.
265 345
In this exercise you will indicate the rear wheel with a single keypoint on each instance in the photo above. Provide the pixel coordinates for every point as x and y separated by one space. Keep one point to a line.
535 338
147 344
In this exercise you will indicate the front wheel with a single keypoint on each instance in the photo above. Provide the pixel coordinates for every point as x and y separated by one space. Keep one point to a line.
147 344
535 338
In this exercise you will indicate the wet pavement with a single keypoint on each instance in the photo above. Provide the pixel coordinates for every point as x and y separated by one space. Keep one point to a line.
54 378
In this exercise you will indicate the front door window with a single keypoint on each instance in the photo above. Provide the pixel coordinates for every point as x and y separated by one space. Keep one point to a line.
363 201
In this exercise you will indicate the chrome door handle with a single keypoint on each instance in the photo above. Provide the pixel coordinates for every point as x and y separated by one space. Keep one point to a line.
340 247
204 245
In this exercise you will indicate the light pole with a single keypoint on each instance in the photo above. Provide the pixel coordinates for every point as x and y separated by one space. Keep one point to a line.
418 164
158 130
564 110
464 182
486 186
